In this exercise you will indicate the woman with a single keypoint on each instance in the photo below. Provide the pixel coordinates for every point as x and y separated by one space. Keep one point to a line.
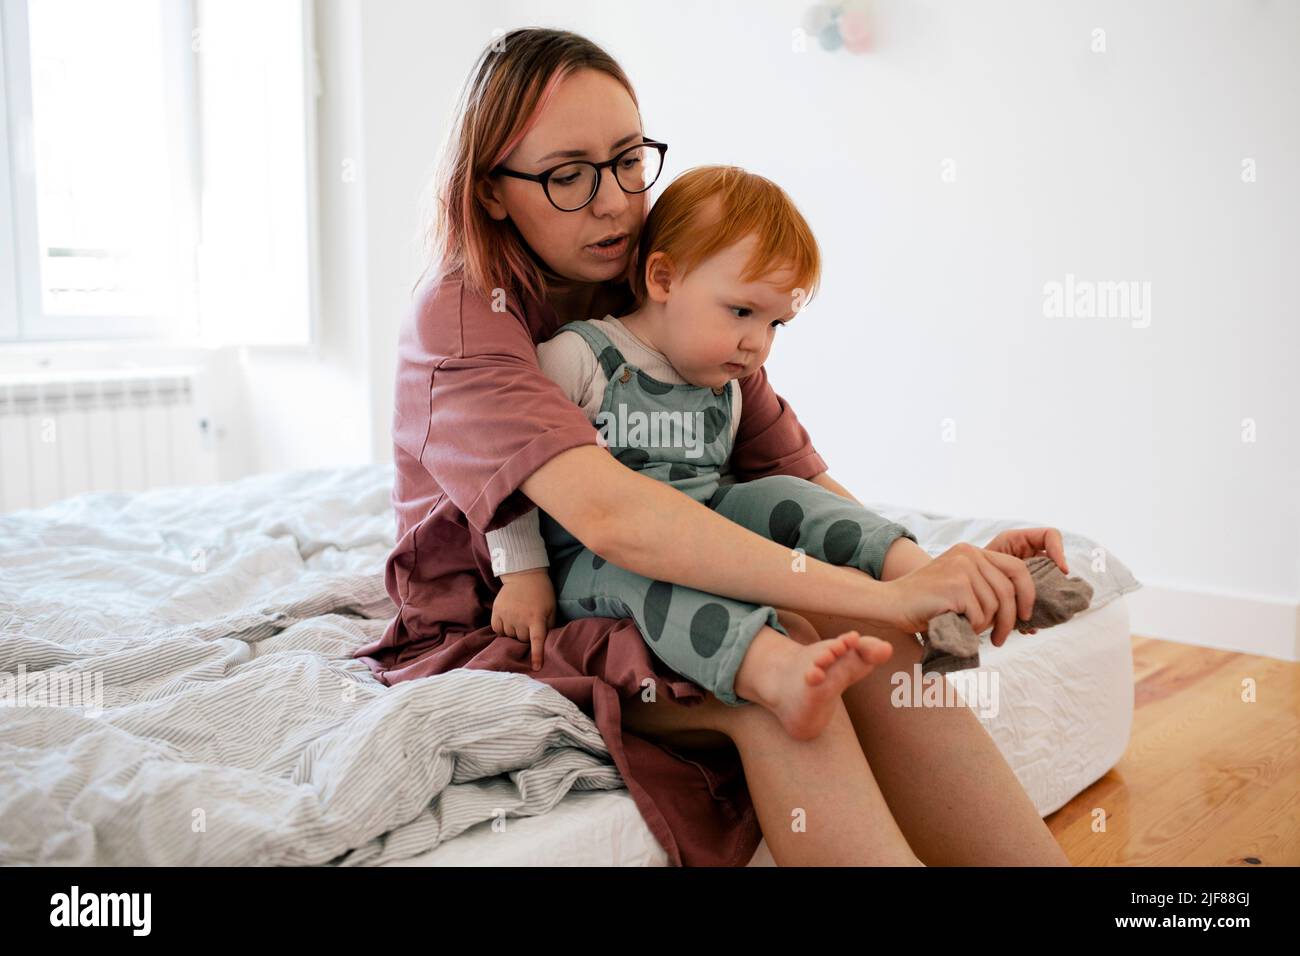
480 435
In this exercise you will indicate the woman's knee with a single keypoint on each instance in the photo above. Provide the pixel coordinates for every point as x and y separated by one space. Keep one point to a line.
752 724
907 649
799 627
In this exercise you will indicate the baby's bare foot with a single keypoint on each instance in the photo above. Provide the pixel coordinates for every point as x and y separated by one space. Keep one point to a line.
822 672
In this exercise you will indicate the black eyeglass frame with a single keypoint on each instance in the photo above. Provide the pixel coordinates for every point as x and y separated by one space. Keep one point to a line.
544 176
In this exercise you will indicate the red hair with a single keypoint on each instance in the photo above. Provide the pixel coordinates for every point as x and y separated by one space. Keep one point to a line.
709 208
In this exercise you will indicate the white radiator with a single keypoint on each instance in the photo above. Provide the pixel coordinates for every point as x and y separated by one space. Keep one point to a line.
67 433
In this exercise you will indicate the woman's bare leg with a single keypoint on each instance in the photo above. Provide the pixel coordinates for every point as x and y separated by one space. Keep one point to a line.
952 792
817 802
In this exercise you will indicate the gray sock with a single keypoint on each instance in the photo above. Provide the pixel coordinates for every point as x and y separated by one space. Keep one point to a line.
951 644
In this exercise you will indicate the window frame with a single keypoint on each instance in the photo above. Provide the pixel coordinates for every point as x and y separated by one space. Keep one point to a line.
23 319
8 253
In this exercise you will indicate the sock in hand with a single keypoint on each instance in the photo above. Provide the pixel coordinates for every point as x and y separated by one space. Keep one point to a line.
951 644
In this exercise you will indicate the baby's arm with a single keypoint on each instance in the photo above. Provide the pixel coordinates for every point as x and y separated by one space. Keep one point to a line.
569 363
518 546
524 608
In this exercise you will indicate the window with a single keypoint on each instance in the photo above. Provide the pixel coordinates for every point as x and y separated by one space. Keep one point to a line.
155 161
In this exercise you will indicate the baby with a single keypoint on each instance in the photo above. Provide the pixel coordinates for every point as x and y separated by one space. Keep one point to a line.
725 260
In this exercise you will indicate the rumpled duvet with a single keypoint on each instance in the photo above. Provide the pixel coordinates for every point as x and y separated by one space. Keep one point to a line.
177 688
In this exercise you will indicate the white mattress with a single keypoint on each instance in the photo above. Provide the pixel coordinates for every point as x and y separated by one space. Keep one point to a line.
1065 709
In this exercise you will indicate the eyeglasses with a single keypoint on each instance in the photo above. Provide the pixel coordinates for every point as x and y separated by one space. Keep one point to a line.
570 186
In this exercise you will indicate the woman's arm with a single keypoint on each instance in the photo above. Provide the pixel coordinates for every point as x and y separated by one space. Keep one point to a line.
653 529
830 484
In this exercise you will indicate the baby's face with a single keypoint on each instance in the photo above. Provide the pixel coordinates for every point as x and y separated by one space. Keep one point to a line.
719 327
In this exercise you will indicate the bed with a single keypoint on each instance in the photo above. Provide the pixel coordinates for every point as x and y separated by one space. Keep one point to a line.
177 688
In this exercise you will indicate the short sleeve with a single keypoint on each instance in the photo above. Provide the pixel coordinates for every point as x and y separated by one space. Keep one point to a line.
769 439
473 406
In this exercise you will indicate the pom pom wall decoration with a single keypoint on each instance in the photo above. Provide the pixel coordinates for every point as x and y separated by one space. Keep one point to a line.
845 25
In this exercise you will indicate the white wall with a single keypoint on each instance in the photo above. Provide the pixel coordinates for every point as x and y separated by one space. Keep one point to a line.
390 73
314 408
1115 166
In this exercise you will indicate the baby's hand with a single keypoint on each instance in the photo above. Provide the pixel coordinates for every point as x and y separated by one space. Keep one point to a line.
525 608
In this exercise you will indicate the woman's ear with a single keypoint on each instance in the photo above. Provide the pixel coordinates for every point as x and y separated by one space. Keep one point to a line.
485 192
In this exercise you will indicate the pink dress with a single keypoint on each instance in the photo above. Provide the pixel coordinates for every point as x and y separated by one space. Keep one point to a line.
474 417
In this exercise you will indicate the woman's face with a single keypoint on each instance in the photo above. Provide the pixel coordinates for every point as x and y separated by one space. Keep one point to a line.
592 117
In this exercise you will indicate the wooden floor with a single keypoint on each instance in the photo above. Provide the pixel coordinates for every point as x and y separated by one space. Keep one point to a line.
1208 778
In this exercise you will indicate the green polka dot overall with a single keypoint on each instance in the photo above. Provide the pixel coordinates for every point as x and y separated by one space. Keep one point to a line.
681 435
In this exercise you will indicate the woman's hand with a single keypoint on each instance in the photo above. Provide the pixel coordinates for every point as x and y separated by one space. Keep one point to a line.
1029 542
988 587
1026 543
525 608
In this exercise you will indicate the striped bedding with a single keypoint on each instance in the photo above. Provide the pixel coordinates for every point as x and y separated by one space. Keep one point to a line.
177 688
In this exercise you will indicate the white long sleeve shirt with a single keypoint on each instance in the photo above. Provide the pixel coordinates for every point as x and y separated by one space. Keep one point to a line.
568 360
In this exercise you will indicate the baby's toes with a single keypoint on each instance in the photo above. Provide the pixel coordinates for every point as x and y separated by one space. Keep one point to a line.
829 652
875 651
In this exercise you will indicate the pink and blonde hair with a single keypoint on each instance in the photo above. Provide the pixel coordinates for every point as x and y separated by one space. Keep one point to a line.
509 86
